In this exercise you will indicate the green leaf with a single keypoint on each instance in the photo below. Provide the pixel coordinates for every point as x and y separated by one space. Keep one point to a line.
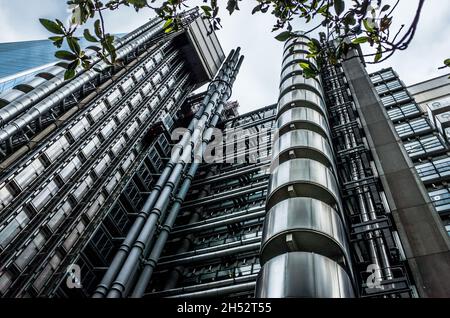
339 6
206 8
69 74
88 36
378 55
257 8
283 36
168 26
52 26
368 25
232 5
385 8
57 40
65 55
314 46
447 62
304 65
94 48
98 29
74 45
362 39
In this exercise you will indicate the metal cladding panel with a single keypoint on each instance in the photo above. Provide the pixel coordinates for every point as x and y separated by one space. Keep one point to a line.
303 275
312 225
207 47
438 107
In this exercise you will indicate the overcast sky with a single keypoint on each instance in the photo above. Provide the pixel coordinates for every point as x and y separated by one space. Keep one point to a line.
257 83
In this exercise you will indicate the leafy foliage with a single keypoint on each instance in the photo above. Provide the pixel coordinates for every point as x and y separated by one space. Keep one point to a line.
364 22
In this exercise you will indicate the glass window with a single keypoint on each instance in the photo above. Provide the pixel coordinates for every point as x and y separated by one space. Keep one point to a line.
395 98
177 94
113 182
136 100
424 146
114 97
447 228
150 65
435 169
109 128
90 147
144 115
409 110
375 78
57 148
171 82
139 74
164 144
6 280
157 78
155 159
70 169
98 111
146 89
412 127
128 162
83 188
5 197
134 194
102 165
47 271
122 114
441 199
153 103
79 128
9 231
163 92
145 174
119 216
386 75
158 57
70 241
118 146
95 206
165 69
401 96
132 130
127 84
30 251
43 197
29 173
58 217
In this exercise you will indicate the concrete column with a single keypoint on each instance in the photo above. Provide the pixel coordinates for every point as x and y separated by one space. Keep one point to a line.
426 245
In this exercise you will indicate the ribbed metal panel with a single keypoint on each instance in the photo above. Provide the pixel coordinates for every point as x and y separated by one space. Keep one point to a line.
303 203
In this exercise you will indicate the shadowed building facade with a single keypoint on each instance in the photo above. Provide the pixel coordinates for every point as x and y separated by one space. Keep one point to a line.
313 196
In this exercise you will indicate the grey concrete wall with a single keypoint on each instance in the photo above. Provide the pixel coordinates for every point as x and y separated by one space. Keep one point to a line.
425 242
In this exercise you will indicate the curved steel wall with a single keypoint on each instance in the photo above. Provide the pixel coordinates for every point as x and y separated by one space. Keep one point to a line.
302 274
304 250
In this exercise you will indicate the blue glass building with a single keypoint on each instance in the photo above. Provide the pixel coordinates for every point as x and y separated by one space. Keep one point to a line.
20 61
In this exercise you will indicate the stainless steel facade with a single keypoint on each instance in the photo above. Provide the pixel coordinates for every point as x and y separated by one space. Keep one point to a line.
78 157
98 201
420 124
304 226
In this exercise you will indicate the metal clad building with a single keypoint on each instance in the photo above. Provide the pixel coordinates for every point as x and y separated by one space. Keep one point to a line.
329 192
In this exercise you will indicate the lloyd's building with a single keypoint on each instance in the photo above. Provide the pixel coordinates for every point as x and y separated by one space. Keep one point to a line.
313 196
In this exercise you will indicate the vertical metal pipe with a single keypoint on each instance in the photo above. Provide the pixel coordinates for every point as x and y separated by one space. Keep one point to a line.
132 235
151 262
125 275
